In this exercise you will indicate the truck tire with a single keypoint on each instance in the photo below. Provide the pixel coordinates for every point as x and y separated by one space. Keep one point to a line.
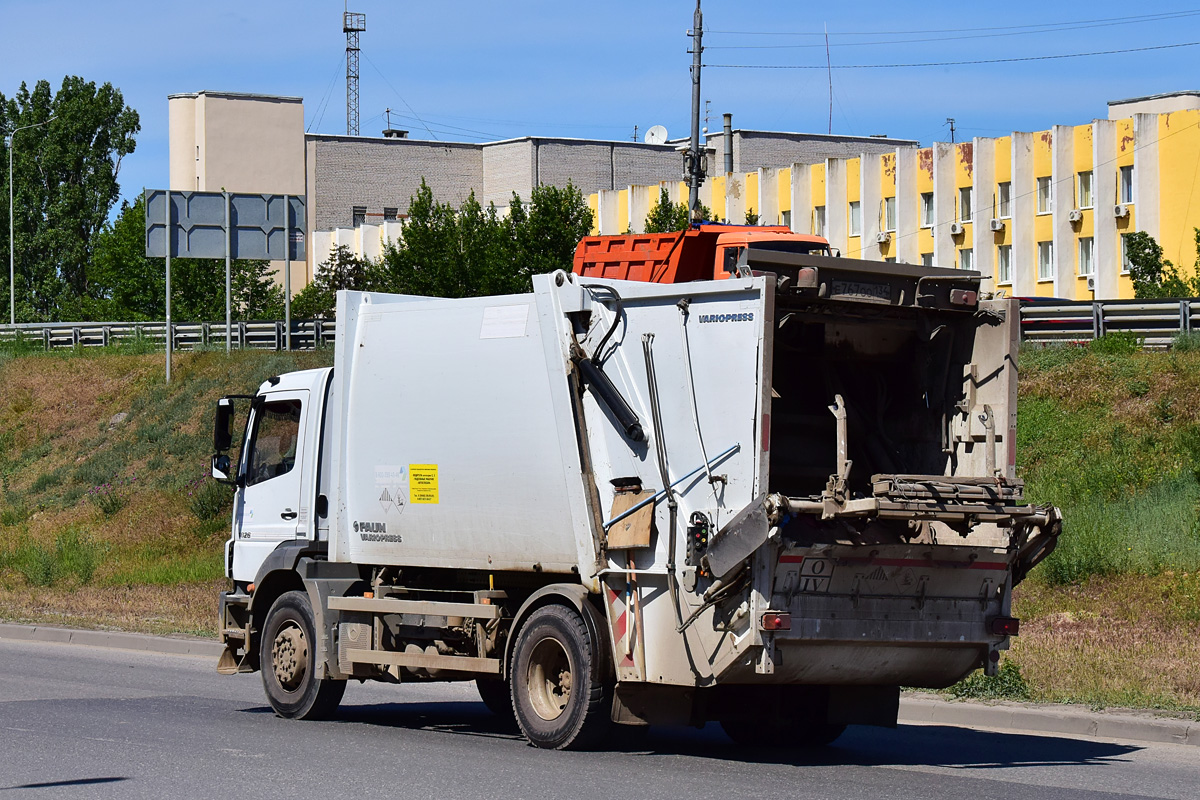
766 733
496 694
561 694
287 655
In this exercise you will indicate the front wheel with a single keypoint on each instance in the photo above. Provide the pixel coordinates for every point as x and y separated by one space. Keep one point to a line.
287 659
561 692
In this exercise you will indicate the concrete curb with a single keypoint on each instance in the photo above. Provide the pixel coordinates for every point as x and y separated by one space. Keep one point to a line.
145 643
914 708
1066 720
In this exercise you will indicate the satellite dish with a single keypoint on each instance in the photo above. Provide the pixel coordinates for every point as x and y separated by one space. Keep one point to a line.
656 135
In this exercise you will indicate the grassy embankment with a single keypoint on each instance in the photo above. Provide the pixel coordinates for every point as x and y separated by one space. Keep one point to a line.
106 518
105 521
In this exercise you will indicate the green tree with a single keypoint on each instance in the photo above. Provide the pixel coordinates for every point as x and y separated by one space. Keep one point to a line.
126 285
1154 276
751 218
65 184
667 217
342 270
472 251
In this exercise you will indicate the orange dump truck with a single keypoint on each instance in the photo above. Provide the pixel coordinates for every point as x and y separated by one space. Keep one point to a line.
702 252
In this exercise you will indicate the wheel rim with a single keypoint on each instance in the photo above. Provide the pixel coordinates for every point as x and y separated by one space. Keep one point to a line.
549 679
289 656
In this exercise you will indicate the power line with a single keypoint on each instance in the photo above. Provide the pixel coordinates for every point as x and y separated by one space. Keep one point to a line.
319 114
397 93
1046 25
955 63
1073 27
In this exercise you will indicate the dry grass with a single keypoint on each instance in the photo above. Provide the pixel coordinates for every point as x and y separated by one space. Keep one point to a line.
1126 640
185 608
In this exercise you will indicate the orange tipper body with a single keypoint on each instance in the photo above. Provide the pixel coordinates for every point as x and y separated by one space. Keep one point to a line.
702 252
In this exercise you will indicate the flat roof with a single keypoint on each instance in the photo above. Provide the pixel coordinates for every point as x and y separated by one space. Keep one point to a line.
829 137
238 95
1162 96
411 140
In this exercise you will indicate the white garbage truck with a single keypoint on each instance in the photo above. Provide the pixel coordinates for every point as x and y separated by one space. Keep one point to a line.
768 501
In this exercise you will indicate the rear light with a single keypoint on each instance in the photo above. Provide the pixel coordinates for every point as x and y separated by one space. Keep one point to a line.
1005 626
776 621
964 297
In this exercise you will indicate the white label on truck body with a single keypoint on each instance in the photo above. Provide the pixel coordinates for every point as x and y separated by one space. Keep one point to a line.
504 322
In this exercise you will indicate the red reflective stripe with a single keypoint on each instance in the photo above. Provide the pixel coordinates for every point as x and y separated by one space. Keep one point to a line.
766 433
791 559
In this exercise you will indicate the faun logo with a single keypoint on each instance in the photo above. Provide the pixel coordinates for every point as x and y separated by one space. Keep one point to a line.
370 527
746 316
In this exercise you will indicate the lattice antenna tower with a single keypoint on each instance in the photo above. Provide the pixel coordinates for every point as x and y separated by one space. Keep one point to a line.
352 25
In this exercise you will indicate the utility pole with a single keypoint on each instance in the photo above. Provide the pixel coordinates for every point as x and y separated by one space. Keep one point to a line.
694 160
950 122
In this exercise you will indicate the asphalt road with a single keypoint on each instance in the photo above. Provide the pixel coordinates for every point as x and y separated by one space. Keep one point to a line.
89 722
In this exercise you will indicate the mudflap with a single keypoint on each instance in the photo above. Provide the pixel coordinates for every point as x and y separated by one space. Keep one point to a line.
236 628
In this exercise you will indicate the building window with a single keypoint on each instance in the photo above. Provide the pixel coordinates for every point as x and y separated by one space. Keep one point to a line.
1045 261
1087 265
1127 185
1085 189
889 213
1004 263
1124 253
389 214
1045 196
787 218
964 203
358 215
819 221
927 209
890 259
855 218
966 259
1004 200
927 259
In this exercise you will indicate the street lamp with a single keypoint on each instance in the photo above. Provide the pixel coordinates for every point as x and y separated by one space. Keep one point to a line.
12 285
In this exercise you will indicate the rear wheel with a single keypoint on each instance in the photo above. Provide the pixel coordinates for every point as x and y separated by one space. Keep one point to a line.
561 693
780 733
287 659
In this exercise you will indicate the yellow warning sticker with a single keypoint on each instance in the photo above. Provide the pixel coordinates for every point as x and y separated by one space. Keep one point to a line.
422 483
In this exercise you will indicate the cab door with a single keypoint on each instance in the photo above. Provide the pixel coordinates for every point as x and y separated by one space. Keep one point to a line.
273 477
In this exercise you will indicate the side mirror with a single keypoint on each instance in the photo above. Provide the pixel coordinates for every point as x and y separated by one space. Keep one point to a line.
220 467
223 427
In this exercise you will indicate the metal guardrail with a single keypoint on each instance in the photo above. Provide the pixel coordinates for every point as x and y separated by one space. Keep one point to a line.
1156 322
255 335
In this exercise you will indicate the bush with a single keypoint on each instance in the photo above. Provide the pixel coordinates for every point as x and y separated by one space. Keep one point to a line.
110 497
1006 684
74 553
1186 342
1117 343
206 498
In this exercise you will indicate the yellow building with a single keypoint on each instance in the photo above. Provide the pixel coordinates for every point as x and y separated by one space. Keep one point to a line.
1039 214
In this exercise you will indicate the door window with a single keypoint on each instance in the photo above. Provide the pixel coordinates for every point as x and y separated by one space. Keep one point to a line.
275 441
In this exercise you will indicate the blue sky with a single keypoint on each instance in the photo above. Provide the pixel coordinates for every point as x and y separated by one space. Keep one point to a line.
476 71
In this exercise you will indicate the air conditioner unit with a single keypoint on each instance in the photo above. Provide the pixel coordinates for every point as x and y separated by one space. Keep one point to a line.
1120 211
883 237
997 225
1091 284
1075 215
956 229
